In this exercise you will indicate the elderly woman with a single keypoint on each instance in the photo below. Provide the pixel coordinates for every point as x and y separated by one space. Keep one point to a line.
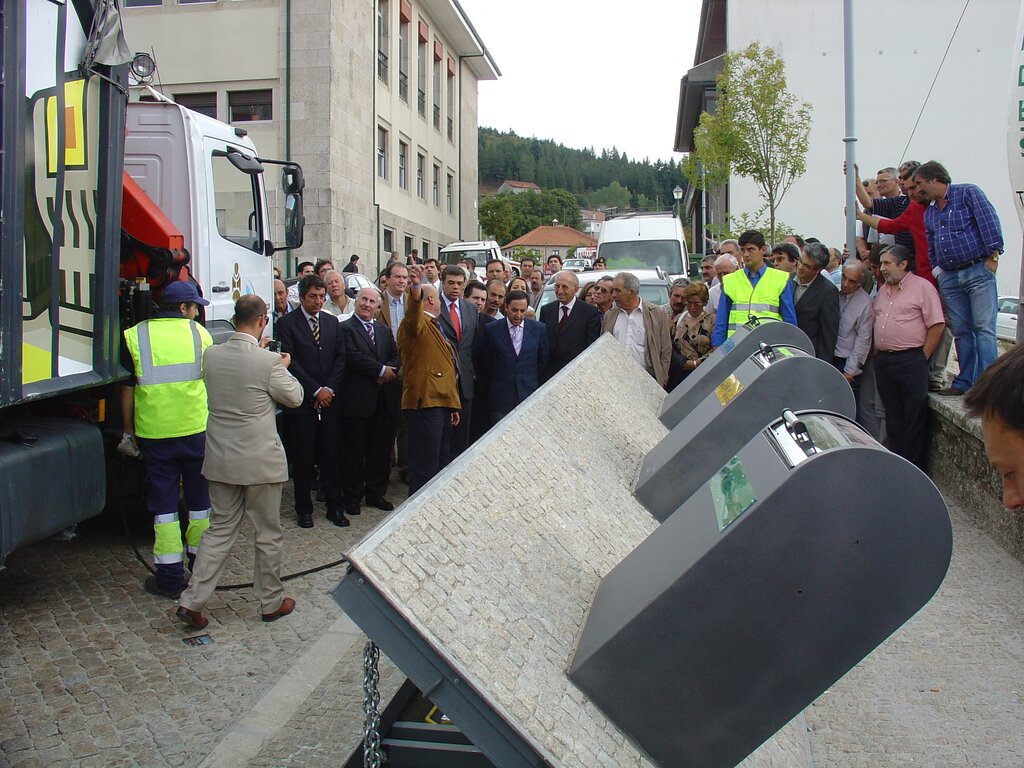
336 297
693 327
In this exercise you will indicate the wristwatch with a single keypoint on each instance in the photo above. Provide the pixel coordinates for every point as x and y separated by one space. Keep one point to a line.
994 256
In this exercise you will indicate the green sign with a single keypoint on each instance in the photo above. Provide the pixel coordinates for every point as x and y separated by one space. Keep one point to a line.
731 492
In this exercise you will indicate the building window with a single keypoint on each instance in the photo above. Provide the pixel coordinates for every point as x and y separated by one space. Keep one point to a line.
421 166
203 103
421 75
403 60
437 186
382 40
451 103
449 191
408 245
403 159
142 4
192 2
382 152
437 93
388 241
425 250
251 106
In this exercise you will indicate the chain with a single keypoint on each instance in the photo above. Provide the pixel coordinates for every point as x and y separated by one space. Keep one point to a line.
372 756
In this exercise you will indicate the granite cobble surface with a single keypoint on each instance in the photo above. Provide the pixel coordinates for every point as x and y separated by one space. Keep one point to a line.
94 671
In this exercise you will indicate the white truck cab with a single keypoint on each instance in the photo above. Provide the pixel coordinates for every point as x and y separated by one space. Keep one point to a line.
207 178
481 251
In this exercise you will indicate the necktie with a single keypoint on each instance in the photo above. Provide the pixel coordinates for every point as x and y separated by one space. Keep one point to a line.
517 339
369 330
455 321
565 316
316 329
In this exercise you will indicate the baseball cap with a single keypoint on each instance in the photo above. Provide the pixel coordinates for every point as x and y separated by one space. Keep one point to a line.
180 291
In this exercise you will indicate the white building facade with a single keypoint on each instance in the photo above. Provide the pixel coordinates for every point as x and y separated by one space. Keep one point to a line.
376 99
898 51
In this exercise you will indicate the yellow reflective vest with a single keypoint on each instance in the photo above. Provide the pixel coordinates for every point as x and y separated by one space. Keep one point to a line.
761 300
170 395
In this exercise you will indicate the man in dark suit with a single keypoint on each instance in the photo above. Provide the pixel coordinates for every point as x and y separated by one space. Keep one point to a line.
317 347
430 389
571 325
370 393
511 357
459 322
817 301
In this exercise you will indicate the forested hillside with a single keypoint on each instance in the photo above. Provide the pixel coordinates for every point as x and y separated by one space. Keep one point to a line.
608 179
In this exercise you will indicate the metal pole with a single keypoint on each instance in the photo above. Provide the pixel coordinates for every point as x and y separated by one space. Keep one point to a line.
850 139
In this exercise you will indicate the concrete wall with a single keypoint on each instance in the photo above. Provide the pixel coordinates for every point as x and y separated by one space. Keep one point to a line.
898 50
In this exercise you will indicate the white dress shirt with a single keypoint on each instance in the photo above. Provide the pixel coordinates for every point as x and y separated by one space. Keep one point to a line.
629 331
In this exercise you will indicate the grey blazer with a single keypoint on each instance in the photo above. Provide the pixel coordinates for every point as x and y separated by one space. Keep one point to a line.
243 385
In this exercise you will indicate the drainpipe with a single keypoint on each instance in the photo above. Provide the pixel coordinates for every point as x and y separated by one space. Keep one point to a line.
461 57
373 145
288 98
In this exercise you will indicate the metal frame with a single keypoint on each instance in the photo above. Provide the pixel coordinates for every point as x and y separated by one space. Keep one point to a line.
434 676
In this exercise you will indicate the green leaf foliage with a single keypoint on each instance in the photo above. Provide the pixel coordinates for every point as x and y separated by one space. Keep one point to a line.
506 217
759 131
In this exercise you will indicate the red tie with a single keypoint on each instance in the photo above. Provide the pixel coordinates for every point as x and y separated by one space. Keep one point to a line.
455 321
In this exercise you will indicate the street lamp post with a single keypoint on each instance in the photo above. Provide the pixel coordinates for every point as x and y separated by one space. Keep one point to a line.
677 193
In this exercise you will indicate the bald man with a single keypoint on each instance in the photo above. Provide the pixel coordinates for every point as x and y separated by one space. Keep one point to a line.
430 388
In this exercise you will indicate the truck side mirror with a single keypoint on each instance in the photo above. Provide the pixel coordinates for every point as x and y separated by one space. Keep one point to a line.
292 181
294 220
244 163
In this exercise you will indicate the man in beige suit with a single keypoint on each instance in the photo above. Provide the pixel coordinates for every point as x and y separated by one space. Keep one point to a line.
642 328
245 461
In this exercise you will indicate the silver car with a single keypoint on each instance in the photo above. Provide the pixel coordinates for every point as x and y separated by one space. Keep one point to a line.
1006 320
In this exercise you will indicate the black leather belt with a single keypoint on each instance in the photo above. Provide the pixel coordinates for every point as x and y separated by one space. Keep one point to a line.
900 351
965 265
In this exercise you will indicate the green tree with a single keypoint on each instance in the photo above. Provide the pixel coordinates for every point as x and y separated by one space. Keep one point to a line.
759 130
498 217
612 196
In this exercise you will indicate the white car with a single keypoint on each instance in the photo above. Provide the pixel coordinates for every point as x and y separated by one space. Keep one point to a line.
578 265
1006 320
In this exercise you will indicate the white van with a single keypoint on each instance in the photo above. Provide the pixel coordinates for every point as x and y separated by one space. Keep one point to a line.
481 251
644 241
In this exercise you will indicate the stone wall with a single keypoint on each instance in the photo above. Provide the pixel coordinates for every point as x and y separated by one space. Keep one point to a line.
498 576
958 466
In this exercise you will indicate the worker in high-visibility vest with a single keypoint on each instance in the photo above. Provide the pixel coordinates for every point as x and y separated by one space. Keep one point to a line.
164 412
757 290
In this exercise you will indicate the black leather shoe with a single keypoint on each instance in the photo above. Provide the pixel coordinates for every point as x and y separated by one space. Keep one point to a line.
304 519
339 519
380 503
951 392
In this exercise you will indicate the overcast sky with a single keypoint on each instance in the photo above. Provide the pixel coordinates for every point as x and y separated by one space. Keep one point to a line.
587 74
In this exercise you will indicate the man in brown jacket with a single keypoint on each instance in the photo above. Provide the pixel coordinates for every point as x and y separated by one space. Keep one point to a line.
642 328
430 386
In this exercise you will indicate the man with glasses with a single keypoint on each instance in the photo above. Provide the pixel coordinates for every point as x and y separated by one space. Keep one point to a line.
893 199
757 290
603 294
817 301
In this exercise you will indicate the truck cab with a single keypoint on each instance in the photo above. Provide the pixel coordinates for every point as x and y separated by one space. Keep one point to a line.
208 180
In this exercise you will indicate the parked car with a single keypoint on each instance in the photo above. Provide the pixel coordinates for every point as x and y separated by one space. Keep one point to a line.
654 284
578 265
1006 320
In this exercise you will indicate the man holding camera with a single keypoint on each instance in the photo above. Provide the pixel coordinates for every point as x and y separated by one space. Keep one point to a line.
244 383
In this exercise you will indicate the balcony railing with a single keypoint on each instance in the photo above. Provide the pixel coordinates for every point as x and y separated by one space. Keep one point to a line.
382 66
437 116
451 129
421 102
403 86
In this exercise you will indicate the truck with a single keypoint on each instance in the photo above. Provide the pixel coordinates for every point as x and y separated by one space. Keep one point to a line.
644 240
104 202
481 251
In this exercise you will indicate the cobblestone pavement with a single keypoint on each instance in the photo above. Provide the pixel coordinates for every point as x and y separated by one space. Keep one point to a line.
93 671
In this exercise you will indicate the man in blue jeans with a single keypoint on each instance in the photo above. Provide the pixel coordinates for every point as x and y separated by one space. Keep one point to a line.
965 241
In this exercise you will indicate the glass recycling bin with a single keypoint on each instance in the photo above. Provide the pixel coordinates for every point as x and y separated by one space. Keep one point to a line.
744 342
756 390
803 552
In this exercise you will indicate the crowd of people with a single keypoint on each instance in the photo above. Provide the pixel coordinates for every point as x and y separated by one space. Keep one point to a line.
420 366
